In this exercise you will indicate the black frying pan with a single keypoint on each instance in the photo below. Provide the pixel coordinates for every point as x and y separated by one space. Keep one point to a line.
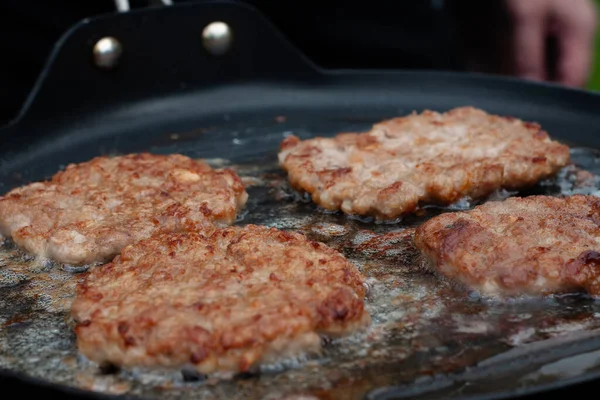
170 94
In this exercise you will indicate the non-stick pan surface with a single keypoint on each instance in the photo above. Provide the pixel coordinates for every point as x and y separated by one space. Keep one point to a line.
168 94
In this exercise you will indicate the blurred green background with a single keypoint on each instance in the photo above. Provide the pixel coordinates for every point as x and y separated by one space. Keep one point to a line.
594 83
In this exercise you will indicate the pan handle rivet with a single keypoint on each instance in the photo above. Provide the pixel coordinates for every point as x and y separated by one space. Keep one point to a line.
217 38
107 52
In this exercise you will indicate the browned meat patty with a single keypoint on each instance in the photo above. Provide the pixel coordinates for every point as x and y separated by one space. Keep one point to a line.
223 302
530 246
90 211
426 158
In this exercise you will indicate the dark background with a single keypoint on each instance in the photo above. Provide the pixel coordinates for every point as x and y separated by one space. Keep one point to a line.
399 34
336 34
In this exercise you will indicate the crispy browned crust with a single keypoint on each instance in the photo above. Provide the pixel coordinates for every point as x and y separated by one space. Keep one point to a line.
530 246
425 158
221 302
90 211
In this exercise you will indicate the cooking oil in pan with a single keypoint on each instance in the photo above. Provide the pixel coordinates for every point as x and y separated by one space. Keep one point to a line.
423 327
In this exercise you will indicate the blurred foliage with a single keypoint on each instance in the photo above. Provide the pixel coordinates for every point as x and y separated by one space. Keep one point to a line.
594 82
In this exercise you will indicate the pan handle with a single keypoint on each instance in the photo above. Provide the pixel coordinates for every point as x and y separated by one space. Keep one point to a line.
123 5
119 59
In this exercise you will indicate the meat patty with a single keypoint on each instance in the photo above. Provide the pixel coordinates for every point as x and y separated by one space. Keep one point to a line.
224 301
519 246
427 158
90 211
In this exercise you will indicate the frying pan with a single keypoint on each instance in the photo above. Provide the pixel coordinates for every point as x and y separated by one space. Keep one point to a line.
169 93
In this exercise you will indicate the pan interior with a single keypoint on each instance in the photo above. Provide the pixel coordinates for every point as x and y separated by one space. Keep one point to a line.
437 339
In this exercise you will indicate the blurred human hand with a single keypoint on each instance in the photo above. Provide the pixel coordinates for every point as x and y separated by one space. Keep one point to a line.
550 40
573 25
